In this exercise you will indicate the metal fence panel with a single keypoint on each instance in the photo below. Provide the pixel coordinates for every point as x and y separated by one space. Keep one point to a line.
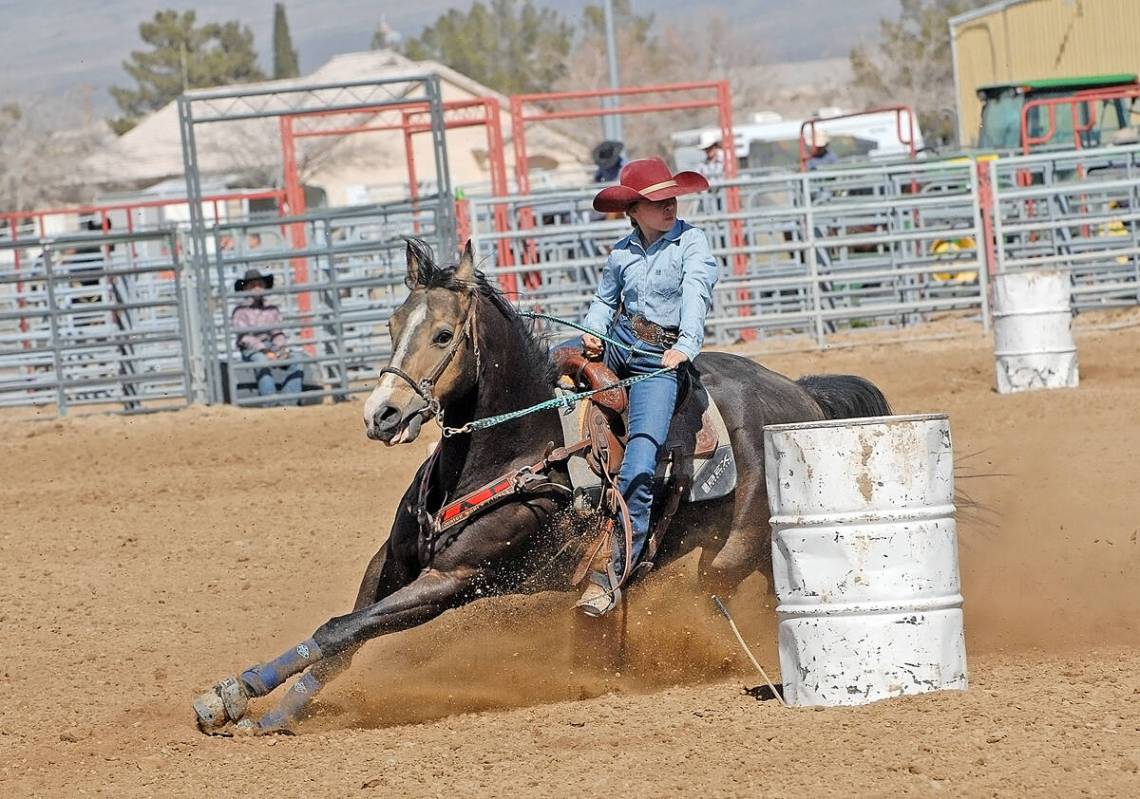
93 320
805 253
1075 211
339 275
125 322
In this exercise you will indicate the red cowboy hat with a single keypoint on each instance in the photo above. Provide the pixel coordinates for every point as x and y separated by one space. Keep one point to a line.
647 179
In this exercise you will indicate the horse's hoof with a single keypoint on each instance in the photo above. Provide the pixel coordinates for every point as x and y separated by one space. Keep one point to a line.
225 702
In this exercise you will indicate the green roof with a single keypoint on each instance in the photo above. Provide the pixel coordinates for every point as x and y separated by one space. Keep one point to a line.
1076 84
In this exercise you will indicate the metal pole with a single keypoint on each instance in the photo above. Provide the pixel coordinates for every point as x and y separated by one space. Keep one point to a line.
56 342
995 212
233 366
204 378
182 315
980 248
614 122
810 253
338 311
445 228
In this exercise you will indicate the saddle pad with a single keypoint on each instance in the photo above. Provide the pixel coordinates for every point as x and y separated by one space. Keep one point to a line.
698 447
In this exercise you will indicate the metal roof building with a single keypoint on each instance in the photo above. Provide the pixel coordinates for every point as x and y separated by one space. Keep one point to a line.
1022 40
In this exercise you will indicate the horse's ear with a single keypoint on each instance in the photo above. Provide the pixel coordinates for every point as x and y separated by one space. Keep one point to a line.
415 265
465 272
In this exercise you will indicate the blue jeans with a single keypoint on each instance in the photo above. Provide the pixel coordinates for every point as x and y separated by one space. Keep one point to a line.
651 405
291 375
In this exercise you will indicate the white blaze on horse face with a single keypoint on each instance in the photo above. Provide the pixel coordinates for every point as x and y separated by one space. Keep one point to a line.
383 391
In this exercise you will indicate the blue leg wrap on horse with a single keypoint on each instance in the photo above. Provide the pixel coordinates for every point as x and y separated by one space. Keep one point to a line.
262 679
292 703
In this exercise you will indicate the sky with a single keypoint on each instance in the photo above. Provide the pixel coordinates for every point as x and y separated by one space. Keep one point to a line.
51 47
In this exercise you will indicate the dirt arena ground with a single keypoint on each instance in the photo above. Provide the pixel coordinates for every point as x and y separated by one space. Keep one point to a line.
143 558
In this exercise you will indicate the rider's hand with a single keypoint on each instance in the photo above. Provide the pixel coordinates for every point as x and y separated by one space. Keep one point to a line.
591 346
271 355
673 358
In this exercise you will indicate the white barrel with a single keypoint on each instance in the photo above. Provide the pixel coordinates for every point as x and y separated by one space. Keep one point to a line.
1033 332
865 558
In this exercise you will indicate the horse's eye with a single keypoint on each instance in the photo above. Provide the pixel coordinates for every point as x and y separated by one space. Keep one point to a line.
443 337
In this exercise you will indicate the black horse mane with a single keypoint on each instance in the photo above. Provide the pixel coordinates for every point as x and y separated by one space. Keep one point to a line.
432 275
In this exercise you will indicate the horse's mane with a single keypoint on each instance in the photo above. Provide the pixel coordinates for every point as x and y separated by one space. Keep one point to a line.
432 275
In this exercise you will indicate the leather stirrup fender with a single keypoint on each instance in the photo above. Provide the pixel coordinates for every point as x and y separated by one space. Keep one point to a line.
594 374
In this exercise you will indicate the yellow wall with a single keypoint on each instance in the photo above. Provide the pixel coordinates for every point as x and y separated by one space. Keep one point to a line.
1033 39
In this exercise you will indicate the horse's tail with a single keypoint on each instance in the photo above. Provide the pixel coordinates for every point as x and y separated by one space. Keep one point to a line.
845 396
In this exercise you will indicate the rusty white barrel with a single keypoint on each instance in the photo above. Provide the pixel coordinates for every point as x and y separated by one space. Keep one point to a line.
865 558
1033 332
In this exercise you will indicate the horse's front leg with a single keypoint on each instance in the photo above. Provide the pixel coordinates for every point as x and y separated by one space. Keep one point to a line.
453 580
339 638
329 652
391 568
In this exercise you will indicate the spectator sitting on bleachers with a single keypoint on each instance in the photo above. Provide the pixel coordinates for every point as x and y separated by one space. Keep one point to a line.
261 340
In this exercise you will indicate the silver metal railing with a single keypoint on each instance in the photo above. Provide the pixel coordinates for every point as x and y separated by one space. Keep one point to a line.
808 253
339 275
93 320
127 322
1075 211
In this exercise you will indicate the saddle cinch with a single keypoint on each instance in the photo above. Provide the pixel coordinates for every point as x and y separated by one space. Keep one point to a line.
696 464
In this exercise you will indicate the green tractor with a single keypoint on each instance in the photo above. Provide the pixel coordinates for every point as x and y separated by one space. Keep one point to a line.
1059 113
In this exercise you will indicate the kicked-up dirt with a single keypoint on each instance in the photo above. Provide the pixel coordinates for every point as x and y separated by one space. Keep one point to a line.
141 559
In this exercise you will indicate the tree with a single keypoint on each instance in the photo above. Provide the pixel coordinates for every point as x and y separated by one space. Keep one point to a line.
711 51
183 56
509 46
911 63
634 27
39 151
284 56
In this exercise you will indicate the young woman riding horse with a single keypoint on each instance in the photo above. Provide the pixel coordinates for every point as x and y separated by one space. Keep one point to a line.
461 353
653 296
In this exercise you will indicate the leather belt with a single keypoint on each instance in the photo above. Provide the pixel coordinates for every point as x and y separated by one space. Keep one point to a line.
653 333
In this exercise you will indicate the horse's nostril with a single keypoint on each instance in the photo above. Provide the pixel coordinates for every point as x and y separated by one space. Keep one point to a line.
386 417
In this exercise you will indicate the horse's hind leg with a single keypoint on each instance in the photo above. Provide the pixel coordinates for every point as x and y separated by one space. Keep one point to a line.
747 547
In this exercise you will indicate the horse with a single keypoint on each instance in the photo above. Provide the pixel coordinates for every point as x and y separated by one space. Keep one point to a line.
461 352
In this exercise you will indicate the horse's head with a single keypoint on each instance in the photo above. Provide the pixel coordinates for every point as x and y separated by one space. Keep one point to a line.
434 350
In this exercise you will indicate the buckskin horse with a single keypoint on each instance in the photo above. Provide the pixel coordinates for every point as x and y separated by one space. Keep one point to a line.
461 352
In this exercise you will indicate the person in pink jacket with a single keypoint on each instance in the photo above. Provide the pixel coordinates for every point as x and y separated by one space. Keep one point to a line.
261 340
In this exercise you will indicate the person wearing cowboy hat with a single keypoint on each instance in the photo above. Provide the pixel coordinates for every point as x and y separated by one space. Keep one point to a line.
713 165
654 293
607 157
820 156
261 340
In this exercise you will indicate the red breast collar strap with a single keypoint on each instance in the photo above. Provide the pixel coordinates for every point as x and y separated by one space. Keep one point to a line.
467 506
501 488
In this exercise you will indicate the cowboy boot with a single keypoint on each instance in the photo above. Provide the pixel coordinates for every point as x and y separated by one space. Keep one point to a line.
603 586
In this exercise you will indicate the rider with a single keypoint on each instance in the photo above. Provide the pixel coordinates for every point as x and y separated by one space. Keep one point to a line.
654 293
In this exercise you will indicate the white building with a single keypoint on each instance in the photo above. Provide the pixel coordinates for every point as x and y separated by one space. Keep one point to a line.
364 167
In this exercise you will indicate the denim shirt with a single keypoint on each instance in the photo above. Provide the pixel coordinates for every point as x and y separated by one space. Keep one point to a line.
669 283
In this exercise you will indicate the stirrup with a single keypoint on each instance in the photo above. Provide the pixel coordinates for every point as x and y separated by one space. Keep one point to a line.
597 600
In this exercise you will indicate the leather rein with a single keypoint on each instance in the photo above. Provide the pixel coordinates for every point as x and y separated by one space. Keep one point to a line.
532 479
525 480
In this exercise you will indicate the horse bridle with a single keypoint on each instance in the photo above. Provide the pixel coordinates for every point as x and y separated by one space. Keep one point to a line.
424 388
